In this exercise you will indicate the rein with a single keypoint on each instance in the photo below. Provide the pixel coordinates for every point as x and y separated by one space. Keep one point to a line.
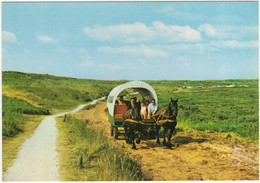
161 121
134 121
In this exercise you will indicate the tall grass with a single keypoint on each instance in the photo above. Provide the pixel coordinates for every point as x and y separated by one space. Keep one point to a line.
217 109
97 158
12 113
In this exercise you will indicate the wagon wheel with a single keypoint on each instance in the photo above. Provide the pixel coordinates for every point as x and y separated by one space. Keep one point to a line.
116 133
112 130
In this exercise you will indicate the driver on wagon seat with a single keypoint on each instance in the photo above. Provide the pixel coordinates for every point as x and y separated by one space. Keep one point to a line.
152 107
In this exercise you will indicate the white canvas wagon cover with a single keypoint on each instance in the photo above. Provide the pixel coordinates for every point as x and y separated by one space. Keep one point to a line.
141 87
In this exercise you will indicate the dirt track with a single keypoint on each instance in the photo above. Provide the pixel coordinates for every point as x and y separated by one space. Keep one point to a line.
199 155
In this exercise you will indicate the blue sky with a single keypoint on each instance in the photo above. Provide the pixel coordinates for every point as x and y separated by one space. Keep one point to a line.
132 40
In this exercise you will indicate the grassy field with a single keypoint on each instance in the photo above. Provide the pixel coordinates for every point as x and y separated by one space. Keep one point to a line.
220 109
213 107
87 155
52 92
35 94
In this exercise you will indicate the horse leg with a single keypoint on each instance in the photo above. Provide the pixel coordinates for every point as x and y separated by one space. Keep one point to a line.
157 133
164 132
126 133
170 136
139 129
132 134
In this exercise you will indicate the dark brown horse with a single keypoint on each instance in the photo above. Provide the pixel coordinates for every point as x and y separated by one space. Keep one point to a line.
132 126
168 120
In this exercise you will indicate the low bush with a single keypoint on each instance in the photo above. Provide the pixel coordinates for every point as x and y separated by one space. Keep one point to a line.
12 114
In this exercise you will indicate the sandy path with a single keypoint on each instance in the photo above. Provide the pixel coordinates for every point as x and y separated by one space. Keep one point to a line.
37 159
200 155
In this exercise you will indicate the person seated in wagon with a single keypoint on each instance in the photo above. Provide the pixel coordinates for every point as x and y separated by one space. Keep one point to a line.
143 111
152 107
121 101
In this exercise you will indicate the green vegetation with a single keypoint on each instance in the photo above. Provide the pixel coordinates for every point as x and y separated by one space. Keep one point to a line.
213 107
12 113
217 109
91 156
57 93
34 94
174 84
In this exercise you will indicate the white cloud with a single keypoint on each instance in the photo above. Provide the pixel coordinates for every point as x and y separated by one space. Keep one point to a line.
229 32
174 13
140 33
209 30
234 44
60 49
140 50
47 39
8 37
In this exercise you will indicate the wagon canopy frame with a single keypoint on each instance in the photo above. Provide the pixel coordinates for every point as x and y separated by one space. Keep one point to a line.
144 89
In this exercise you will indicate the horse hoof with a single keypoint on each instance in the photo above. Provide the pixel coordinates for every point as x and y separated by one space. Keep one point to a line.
169 145
138 141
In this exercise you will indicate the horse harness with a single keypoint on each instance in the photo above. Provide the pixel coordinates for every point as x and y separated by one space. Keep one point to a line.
161 121
134 121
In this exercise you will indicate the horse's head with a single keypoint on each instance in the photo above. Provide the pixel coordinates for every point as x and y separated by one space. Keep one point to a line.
173 108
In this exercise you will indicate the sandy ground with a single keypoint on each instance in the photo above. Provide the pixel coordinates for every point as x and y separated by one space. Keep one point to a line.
198 155
37 159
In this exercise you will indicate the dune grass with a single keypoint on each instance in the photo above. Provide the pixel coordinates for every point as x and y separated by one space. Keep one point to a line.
88 155
13 111
217 109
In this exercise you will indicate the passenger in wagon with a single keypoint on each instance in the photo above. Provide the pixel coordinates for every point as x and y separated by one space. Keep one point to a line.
146 103
121 100
143 111
152 107
132 104
137 103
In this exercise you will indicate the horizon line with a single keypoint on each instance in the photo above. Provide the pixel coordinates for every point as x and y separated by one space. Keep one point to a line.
128 79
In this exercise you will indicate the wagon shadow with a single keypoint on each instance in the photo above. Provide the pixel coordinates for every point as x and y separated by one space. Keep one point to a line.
186 140
177 142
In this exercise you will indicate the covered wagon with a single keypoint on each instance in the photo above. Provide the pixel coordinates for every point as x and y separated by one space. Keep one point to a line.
116 110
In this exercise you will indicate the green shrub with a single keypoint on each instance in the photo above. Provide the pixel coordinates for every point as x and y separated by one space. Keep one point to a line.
11 122
12 113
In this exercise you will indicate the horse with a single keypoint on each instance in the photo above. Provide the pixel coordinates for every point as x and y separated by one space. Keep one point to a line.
168 120
132 125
